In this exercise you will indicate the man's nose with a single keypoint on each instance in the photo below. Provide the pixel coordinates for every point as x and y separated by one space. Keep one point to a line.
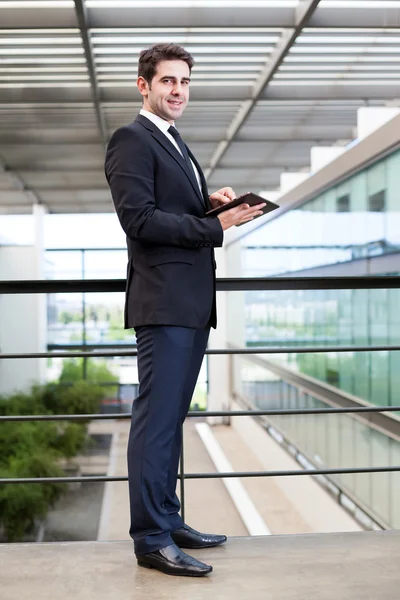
177 89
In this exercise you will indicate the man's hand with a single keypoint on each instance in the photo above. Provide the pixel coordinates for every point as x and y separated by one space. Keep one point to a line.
222 196
240 214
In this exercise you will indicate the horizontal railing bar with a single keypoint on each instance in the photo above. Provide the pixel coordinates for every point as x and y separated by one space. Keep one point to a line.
214 413
214 351
74 286
82 347
115 249
239 474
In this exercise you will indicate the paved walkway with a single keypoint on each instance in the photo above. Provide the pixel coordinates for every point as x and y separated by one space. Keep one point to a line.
278 512
349 566
208 505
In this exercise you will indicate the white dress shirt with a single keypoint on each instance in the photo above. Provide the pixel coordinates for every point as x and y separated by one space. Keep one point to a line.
163 126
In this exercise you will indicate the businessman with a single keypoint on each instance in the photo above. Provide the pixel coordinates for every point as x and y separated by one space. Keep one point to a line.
160 196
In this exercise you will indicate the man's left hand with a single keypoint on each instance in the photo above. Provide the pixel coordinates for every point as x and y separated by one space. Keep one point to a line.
222 196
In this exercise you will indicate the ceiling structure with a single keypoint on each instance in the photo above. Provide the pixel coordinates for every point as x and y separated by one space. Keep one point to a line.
272 78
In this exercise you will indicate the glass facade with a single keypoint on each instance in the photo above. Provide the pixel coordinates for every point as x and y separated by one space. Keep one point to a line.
330 441
333 318
87 318
357 218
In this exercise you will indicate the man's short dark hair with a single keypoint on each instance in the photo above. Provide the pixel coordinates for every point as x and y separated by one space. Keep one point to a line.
149 59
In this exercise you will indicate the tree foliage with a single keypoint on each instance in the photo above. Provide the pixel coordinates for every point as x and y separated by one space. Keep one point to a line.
22 504
35 450
97 372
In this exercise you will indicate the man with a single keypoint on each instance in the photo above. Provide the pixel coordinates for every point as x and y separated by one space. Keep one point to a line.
161 198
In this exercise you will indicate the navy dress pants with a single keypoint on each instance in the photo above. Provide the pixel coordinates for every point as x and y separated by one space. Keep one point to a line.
169 361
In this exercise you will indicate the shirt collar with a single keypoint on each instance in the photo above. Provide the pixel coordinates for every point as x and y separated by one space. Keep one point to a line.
162 124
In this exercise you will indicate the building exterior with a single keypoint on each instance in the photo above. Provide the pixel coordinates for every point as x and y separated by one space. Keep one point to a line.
343 219
350 227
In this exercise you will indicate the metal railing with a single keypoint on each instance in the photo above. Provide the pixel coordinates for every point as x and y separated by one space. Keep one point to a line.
243 284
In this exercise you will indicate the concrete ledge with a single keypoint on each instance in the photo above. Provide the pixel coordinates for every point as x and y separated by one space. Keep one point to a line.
349 566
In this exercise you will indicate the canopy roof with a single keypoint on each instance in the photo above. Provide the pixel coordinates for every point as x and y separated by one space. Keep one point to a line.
271 80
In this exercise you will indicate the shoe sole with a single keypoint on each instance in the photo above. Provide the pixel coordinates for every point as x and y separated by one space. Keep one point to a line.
168 572
197 547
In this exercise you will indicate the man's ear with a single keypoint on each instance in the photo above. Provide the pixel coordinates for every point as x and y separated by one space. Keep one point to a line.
142 85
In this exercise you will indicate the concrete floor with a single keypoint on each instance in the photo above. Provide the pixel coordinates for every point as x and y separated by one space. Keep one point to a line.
349 566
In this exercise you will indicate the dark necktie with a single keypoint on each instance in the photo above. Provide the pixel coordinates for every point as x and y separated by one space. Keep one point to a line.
189 167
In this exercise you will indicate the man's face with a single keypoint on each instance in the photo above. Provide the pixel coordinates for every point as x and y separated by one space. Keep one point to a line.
168 93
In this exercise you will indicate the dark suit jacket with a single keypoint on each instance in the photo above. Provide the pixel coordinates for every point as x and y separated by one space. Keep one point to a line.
171 265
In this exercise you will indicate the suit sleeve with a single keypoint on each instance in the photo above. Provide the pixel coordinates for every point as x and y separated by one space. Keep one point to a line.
130 173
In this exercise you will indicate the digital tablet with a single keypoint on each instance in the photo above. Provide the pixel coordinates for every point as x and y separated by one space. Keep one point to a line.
250 199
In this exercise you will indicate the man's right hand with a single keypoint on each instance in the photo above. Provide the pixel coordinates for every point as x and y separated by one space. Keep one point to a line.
240 214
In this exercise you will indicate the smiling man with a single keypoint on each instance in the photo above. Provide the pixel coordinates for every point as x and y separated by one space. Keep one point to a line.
161 198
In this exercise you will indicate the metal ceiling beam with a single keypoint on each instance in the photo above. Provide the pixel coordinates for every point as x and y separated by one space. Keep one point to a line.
337 91
288 38
81 16
217 16
279 133
363 92
359 18
210 17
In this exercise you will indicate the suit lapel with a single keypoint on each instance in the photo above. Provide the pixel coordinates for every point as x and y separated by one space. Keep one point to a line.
204 189
170 148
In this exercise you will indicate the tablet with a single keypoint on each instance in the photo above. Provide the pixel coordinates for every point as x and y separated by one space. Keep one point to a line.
250 199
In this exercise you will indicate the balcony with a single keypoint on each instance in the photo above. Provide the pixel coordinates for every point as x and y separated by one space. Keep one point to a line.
351 566
348 565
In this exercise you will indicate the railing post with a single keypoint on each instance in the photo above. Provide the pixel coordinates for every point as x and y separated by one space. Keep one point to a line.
182 482
84 363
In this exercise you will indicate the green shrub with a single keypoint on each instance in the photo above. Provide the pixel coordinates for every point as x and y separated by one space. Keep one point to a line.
34 449
71 440
20 439
20 404
97 372
22 504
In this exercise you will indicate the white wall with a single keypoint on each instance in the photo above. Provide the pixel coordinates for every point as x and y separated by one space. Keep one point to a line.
22 320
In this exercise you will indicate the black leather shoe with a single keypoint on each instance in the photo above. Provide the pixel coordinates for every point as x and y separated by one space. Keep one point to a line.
172 561
186 537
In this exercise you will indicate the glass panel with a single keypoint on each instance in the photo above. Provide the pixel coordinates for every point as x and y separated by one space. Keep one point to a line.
376 202
105 265
325 318
394 479
343 203
347 451
393 202
332 440
103 323
380 482
376 221
64 265
358 218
